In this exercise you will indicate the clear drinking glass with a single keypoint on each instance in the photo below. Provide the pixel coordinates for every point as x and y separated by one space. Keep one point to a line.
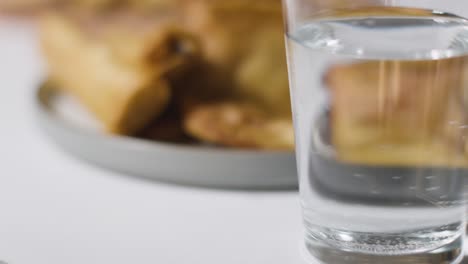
379 92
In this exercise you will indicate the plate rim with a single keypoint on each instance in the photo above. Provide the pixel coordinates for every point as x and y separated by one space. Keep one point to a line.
281 177
44 107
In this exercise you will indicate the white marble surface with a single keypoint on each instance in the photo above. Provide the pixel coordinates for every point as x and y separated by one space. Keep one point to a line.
55 209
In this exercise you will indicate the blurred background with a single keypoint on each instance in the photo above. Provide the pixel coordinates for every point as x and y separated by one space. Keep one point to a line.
148 131
192 92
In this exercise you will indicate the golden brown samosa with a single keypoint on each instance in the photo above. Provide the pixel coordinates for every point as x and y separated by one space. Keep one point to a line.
115 64
243 66
240 125
243 46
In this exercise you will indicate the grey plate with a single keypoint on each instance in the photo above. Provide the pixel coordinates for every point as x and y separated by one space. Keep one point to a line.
79 135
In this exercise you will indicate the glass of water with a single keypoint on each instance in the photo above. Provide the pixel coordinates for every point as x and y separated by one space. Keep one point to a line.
379 91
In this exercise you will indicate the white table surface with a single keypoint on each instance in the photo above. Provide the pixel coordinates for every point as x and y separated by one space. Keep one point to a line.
57 210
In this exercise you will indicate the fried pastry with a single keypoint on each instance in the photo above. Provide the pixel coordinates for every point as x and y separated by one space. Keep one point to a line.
243 62
239 125
243 46
399 113
127 68
117 72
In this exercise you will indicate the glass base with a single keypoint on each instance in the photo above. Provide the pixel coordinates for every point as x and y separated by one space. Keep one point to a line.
340 247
